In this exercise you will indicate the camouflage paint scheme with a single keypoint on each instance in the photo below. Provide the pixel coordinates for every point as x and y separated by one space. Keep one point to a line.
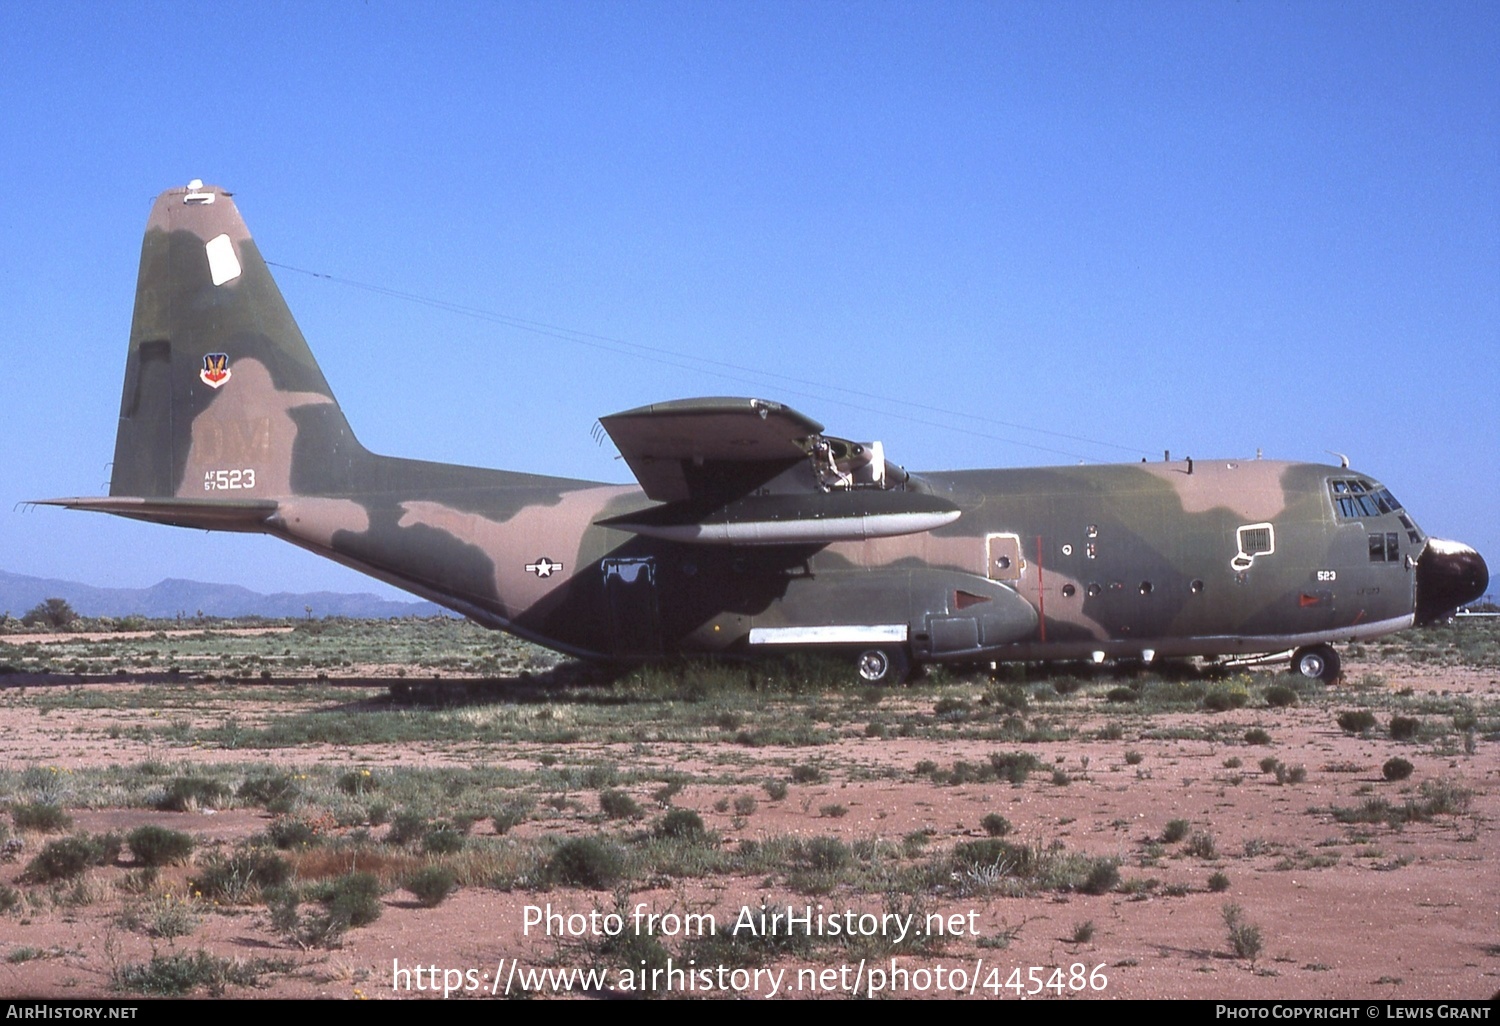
754 528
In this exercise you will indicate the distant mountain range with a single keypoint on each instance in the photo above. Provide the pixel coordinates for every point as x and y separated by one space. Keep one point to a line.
170 597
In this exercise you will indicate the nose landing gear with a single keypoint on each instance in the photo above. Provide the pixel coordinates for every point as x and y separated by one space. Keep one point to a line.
883 666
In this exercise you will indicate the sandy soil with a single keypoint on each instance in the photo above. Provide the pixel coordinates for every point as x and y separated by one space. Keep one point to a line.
1356 912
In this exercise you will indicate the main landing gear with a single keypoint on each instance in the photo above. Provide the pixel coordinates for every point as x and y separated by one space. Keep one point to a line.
1317 662
883 665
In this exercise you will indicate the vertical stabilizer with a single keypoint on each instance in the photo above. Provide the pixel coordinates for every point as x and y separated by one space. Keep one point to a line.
222 399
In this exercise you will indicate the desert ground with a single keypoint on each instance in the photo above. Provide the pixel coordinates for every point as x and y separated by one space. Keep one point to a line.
409 809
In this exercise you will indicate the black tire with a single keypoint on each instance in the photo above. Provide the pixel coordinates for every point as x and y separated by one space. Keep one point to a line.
1317 662
883 666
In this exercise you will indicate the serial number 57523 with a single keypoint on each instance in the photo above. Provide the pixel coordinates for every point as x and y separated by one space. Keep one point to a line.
227 480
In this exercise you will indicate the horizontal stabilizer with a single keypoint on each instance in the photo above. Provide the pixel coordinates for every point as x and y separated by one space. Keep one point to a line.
815 518
205 514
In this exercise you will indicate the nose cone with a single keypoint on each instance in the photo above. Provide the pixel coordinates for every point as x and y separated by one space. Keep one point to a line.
1449 575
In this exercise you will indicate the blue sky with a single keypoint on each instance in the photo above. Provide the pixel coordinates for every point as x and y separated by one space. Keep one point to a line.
1012 233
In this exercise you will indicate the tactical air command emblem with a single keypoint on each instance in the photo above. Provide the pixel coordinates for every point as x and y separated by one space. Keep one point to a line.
215 369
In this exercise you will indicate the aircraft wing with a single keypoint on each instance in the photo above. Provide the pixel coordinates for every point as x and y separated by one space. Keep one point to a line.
700 448
752 472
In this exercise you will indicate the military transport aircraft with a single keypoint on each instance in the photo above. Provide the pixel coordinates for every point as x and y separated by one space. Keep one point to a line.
751 530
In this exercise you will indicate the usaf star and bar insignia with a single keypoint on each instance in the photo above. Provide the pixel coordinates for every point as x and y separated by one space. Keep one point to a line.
543 567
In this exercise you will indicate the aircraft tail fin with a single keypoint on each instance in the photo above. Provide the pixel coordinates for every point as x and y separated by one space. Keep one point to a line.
223 399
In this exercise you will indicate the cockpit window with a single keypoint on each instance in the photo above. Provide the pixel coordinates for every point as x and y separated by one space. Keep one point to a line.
1354 498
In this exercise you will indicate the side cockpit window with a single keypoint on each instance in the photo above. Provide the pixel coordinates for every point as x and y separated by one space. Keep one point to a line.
1385 548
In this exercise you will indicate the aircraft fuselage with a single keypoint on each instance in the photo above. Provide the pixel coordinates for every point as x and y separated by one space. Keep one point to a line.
752 529
1043 563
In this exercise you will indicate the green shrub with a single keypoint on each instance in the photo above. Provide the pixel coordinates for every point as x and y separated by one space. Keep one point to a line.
291 832
1219 882
432 885
358 782
1244 939
807 773
1257 736
1396 769
619 805
1356 721
1279 696
406 827
775 789
1134 758
353 899
682 824
586 862
42 816
1014 859
1122 694
1445 797
995 824
600 776
1201 845
834 811
444 839
1103 877
1014 766
238 877
1008 696
185 794
158 846
745 805
512 814
827 854
180 973
1404 728
69 856
270 789
1225 697
168 917
1175 831
951 708
663 795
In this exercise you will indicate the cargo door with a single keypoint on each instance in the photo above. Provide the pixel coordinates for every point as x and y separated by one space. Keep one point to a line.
630 601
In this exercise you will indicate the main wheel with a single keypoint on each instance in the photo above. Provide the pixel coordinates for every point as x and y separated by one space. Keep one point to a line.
883 666
1317 662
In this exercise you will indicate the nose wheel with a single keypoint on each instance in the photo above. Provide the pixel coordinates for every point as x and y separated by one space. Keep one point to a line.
883 666
1317 662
